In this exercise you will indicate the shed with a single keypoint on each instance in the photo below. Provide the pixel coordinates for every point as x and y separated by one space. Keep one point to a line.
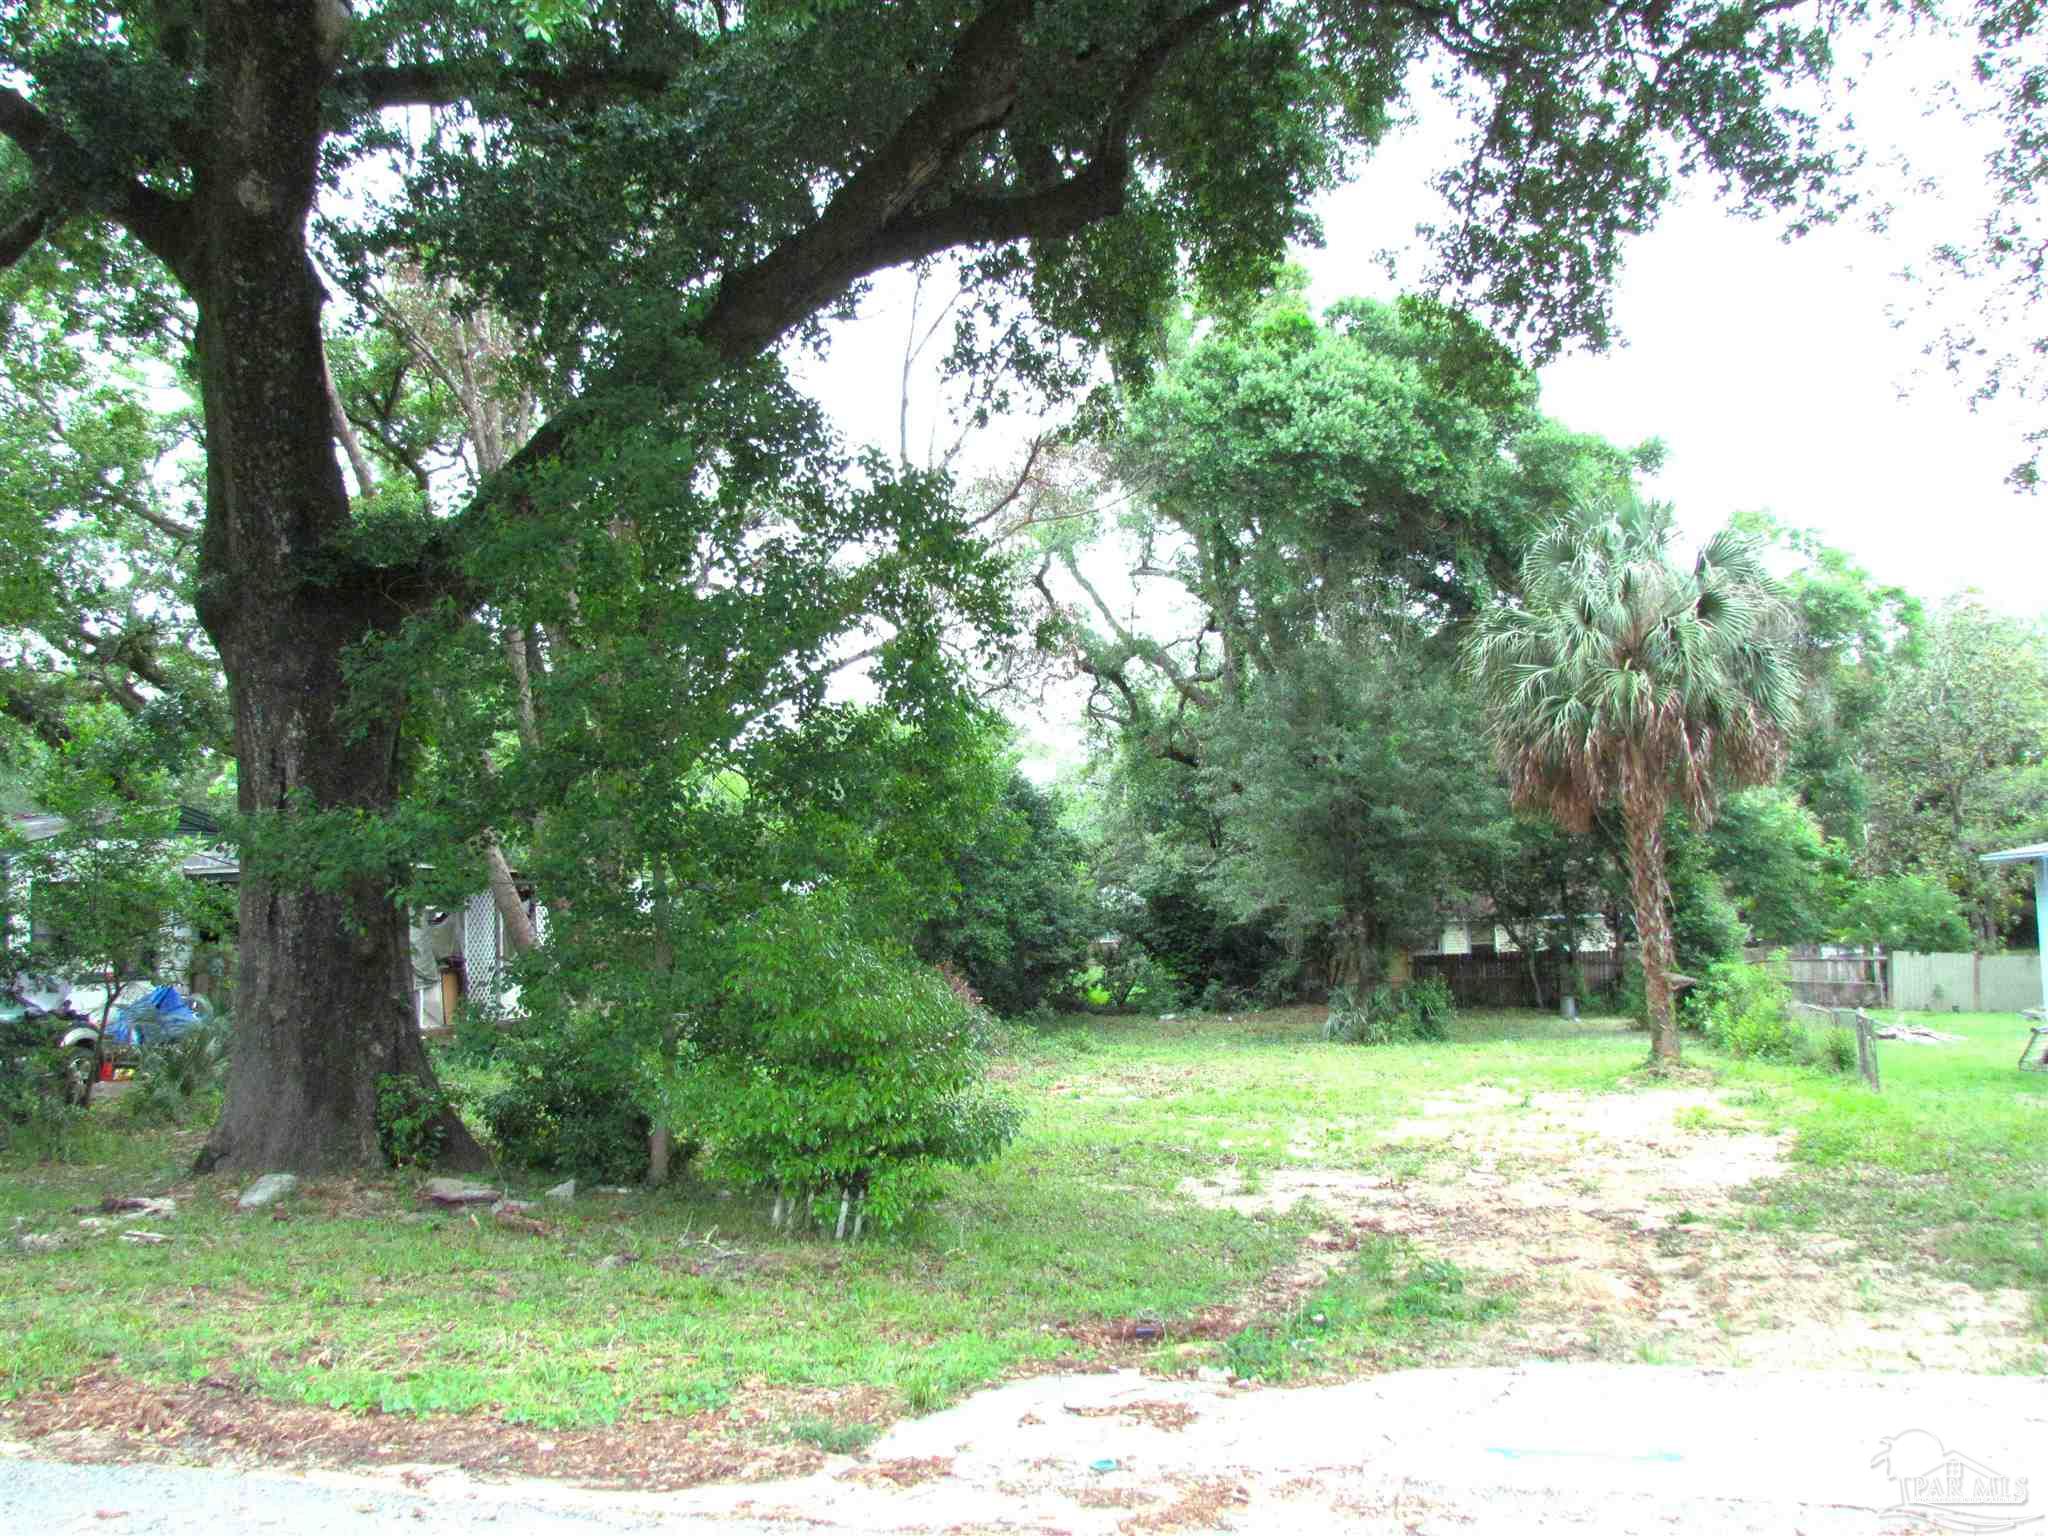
2035 854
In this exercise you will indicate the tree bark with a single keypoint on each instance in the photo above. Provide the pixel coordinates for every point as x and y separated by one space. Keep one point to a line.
323 1010
505 897
1354 954
1643 814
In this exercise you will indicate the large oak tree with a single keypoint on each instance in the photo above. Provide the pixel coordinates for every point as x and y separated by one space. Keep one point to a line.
666 192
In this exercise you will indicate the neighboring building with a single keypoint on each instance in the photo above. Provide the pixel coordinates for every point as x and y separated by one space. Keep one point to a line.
463 953
197 962
1476 935
455 954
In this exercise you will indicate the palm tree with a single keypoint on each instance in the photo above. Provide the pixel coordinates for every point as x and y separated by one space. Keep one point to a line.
1622 675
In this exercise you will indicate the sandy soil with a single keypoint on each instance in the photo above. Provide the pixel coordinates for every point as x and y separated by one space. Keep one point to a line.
1614 1220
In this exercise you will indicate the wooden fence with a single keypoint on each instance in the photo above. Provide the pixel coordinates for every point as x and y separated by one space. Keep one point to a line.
1831 981
1503 981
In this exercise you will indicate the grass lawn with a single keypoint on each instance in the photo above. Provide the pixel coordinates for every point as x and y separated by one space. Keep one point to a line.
1084 1243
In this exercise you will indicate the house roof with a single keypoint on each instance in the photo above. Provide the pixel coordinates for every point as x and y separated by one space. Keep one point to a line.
2026 855
207 864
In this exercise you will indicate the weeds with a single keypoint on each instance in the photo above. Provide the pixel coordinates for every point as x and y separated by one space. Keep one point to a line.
1383 1300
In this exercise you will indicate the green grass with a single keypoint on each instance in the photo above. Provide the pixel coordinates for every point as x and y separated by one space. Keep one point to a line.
1374 1309
685 1302
1947 1167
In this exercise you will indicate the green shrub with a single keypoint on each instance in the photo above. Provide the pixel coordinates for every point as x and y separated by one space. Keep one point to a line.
574 1101
1632 993
1431 1005
1021 916
410 1127
1838 1050
836 1071
1385 1015
1136 980
1744 1009
180 1081
37 1113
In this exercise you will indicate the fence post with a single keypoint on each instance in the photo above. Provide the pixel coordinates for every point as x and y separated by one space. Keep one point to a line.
1866 1051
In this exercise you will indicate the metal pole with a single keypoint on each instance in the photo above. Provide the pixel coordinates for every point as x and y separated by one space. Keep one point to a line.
2041 926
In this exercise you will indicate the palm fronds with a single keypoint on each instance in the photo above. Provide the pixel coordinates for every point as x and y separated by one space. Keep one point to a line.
1618 662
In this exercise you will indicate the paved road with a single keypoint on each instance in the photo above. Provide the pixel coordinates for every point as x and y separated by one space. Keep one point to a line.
54 1499
1550 1448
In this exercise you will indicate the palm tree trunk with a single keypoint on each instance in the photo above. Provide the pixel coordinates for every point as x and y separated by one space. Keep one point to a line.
1643 814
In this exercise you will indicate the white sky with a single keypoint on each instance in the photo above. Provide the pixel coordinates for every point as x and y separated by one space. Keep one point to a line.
1772 371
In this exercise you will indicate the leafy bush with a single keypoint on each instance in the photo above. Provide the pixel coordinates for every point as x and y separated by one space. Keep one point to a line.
575 1101
837 1071
1195 941
1432 1007
1136 980
180 1081
410 1127
36 1108
1386 1015
1838 1050
1706 928
1745 1010
1904 912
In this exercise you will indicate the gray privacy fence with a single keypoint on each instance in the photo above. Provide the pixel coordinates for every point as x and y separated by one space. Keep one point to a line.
2004 983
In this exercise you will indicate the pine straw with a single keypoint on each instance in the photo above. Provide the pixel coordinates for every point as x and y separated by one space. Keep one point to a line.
105 1418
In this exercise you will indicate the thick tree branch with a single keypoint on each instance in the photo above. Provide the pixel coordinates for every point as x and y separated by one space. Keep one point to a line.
19 237
975 93
21 122
871 224
184 533
160 222
25 708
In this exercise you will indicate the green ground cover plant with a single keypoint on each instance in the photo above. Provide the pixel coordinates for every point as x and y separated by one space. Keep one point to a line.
686 1301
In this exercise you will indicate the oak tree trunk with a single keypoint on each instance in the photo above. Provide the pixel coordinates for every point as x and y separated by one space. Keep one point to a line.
323 1009
1354 953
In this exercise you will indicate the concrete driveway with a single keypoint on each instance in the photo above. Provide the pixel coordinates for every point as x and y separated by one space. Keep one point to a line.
1609 1449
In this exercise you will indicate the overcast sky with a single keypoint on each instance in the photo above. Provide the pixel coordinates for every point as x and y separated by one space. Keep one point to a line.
1775 372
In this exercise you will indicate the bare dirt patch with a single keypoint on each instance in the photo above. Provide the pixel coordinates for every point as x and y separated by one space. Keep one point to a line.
1615 1221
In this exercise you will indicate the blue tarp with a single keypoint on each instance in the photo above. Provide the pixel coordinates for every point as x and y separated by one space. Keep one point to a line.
163 1015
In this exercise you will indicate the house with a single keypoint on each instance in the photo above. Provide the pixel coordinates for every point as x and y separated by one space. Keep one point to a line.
197 959
1476 934
456 954
463 952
